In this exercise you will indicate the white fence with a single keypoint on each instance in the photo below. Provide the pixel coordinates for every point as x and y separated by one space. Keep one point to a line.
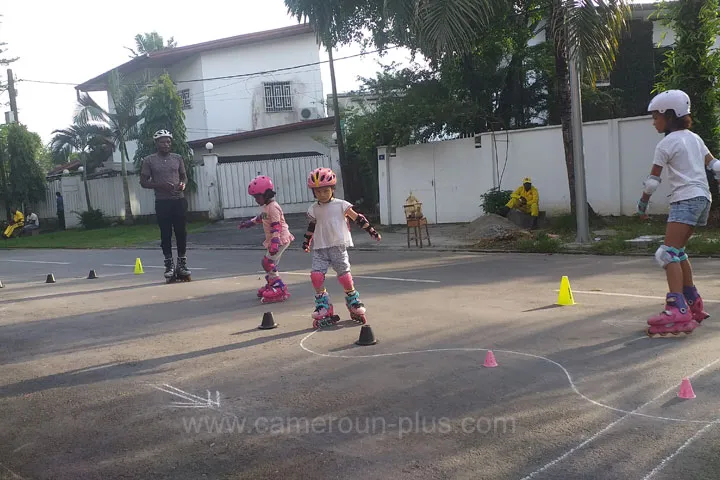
221 189
289 176
449 177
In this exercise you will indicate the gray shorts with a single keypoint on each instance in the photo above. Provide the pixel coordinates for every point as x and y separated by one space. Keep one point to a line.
338 257
693 211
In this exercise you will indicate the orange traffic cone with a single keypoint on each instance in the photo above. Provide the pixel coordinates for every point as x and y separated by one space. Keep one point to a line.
686 390
490 360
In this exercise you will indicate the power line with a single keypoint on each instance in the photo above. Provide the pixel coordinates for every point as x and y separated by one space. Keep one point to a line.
240 75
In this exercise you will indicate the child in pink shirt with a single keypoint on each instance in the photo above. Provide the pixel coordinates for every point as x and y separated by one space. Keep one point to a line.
277 238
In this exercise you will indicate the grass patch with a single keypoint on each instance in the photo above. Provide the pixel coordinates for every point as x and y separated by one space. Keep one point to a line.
111 237
542 243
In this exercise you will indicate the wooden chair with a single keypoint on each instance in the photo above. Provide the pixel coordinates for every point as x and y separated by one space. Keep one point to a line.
416 225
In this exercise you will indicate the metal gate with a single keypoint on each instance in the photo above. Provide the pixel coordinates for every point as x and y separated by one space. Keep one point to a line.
288 174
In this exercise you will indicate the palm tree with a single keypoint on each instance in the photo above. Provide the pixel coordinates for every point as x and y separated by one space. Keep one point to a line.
122 122
150 42
82 139
588 30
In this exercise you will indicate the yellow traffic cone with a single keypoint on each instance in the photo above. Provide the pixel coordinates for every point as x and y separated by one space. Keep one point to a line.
565 297
138 267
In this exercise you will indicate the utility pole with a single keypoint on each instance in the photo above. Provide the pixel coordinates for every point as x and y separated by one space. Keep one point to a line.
13 94
336 109
581 205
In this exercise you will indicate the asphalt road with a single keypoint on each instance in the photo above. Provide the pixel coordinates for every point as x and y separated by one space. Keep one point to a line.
127 377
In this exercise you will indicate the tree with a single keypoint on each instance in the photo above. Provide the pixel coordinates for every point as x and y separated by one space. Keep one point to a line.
693 65
591 30
122 122
18 152
162 110
150 42
83 139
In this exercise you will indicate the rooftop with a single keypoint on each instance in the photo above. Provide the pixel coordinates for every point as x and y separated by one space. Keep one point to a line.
170 56
263 132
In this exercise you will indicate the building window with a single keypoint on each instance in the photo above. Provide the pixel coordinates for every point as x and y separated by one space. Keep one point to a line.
185 95
278 97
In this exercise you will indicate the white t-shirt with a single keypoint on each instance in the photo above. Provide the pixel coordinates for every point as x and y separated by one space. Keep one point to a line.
331 227
32 219
683 153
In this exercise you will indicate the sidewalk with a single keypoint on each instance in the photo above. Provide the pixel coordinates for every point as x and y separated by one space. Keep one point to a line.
226 235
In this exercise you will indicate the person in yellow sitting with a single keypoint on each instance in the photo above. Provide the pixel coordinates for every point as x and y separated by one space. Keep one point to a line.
525 199
18 222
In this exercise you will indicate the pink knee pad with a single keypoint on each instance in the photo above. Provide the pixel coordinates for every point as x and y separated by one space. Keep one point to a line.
346 281
268 265
318 279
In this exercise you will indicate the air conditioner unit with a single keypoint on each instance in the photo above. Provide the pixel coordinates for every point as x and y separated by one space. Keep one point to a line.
309 113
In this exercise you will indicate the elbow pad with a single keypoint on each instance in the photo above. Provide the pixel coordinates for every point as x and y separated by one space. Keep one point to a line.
714 166
651 184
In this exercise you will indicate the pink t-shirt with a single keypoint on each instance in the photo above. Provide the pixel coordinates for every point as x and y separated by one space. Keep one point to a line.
272 213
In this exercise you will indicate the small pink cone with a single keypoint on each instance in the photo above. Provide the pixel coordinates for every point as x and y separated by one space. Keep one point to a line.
490 360
686 390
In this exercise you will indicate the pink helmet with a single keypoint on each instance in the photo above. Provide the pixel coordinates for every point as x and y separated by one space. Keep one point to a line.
260 185
322 177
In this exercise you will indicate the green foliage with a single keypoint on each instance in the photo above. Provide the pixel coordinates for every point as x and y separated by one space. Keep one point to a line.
540 244
162 110
150 42
122 124
692 65
93 144
92 219
636 68
494 199
25 179
602 104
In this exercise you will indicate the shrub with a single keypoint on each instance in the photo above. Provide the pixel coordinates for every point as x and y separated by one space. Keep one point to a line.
92 219
494 199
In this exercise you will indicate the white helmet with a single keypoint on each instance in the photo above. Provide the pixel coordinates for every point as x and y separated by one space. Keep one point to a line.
162 133
675 100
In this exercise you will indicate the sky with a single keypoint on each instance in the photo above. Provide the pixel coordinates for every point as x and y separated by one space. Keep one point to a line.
72 41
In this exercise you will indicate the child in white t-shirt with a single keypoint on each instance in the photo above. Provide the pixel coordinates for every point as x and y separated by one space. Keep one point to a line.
686 158
329 232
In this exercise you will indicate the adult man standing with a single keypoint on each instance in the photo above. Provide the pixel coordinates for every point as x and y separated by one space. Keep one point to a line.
164 172
60 210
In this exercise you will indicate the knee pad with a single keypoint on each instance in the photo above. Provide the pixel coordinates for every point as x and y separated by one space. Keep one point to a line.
268 265
318 279
665 255
682 255
346 281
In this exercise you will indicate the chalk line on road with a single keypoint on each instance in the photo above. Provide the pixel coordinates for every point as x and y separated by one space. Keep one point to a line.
522 354
394 279
631 295
627 413
608 427
146 266
36 261
15 475
687 443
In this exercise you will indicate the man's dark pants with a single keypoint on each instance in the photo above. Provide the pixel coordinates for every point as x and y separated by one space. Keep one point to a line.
172 215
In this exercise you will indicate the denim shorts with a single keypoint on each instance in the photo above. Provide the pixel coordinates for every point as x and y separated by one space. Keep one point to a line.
693 211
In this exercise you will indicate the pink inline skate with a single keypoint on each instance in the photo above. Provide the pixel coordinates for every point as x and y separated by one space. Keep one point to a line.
696 304
356 308
265 287
324 316
277 292
675 319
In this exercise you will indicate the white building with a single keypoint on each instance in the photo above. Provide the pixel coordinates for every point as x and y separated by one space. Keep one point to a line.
235 84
